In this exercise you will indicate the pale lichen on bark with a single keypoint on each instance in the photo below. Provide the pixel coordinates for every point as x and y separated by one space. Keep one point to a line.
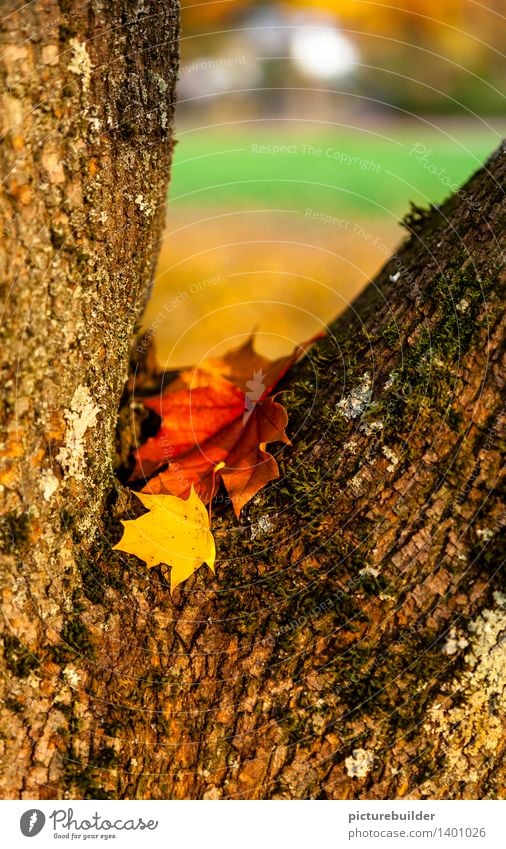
474 732
81 416
80 63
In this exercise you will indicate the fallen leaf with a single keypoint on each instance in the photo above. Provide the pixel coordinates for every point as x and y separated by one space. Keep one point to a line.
190 416
218 415
242 364
237 447
175 531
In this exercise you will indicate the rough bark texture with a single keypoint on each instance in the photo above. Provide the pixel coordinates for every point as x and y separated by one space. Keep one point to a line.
352 644
87 93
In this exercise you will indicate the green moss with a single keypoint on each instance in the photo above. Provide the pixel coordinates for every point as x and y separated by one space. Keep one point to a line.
155 682
73 723
85 783
416 217
67 519
334 424
297 399
96 571
70 523
357 688
373 585
307 487
488 555
391 333
424 383
19 660
115 726
427 765
75 639
66 710
107 758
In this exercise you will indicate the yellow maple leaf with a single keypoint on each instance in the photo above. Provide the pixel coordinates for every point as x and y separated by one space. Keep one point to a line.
175 532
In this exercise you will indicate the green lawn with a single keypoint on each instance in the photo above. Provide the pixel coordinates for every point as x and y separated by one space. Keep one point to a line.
374 172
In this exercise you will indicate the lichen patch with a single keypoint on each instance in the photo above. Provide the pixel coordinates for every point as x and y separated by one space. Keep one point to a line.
52 161
142 205
81 416
359 763
463 305
473 729
71 676
351 446
49 483
356 403
392 456
262 527
371 427
455 642
369 571
80 62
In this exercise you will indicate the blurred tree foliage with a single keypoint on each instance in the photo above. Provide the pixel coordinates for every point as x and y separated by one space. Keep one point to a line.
420 55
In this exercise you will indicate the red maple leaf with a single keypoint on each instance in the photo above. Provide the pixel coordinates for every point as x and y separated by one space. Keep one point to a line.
216 422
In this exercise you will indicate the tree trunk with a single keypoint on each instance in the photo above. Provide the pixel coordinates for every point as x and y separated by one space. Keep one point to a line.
87 103
352 643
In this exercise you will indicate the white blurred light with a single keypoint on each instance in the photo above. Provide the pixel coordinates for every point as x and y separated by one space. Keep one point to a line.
322 53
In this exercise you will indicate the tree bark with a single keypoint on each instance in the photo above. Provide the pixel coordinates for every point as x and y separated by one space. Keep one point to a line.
87 103
352 642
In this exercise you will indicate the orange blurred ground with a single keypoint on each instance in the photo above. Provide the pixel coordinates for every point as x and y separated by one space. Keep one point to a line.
223 273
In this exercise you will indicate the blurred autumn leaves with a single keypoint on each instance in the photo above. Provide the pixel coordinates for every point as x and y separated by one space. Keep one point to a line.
460 44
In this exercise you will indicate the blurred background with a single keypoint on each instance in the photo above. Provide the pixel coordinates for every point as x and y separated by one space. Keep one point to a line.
304 132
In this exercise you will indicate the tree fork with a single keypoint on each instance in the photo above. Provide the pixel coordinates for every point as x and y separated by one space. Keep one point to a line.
352 643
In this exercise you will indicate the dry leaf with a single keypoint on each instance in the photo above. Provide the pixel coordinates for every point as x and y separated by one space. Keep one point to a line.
216 422
175 532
